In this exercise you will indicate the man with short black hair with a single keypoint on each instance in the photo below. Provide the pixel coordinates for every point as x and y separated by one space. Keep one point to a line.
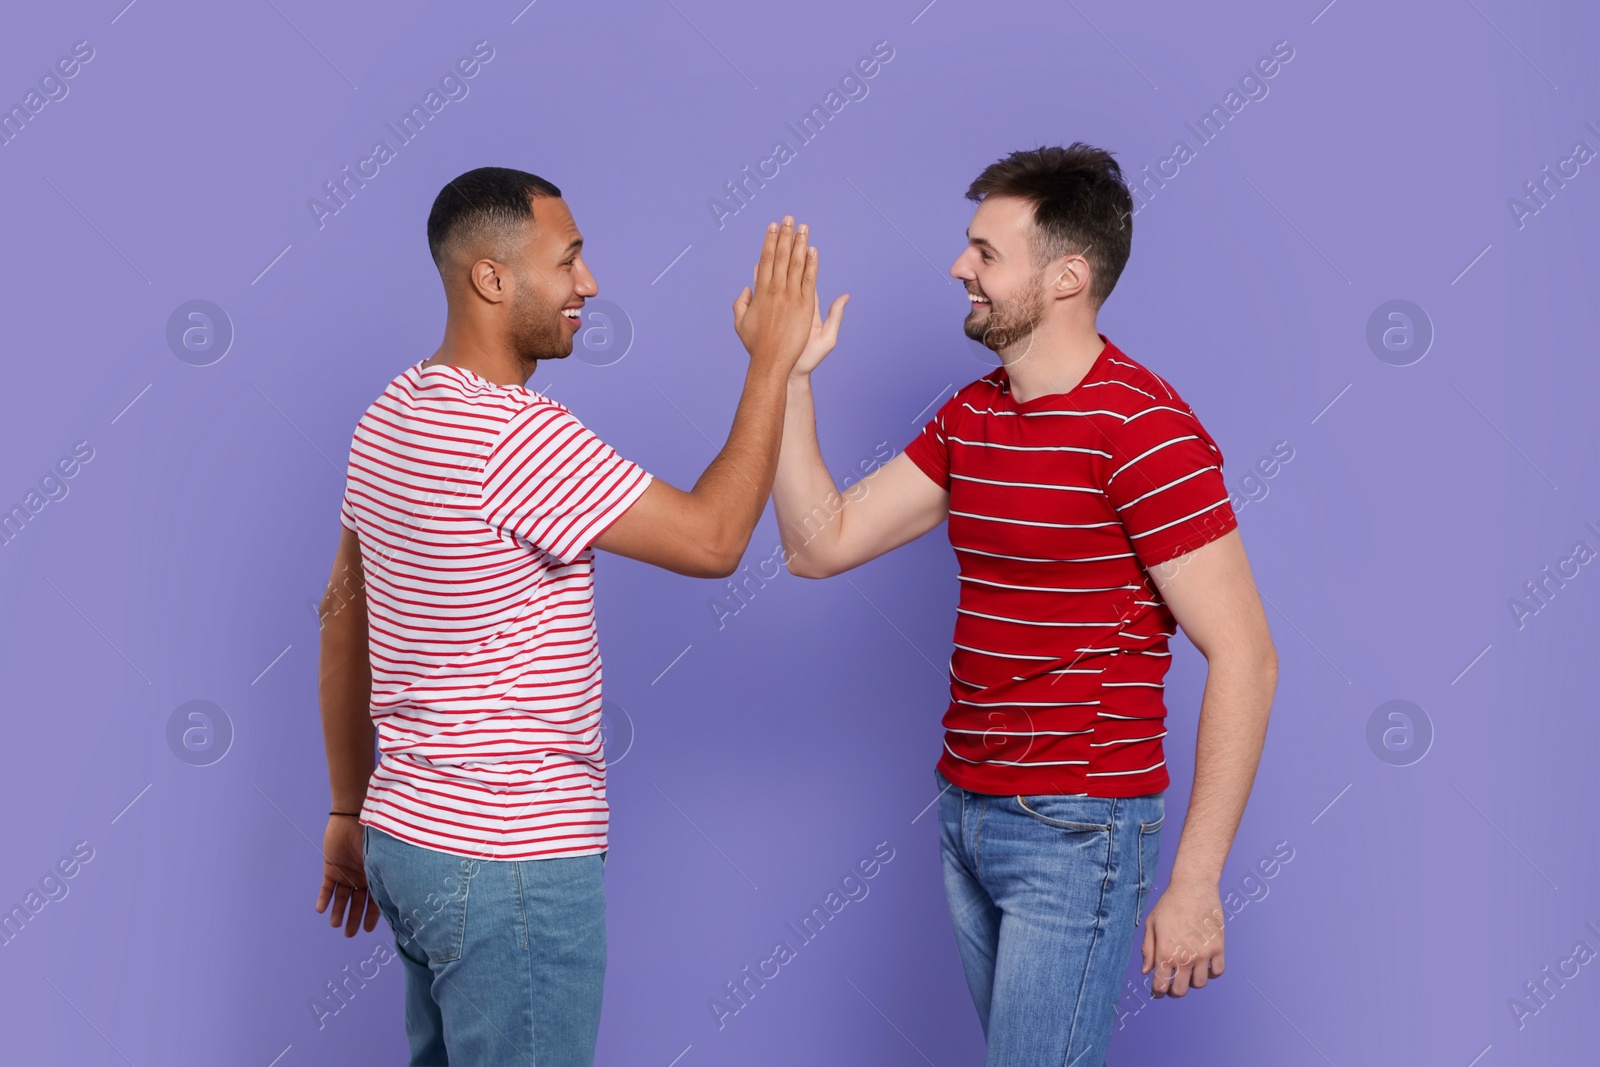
459 626
1087 510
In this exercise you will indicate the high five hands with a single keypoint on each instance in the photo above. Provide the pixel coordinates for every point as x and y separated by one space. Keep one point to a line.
779 319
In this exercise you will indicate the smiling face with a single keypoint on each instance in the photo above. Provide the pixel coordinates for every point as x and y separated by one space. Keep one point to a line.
552 282
1004 283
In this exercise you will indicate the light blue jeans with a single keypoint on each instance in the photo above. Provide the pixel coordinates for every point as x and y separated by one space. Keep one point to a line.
1045 893
505 959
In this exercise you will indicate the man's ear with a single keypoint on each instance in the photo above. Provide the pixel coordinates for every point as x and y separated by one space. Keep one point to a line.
489 279
1069 275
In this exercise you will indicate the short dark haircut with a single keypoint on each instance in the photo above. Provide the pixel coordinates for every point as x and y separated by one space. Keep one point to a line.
488 205
1080 205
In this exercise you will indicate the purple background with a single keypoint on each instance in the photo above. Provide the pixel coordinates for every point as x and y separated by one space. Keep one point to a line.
782 745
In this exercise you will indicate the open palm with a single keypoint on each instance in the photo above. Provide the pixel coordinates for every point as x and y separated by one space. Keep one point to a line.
824 335
824 332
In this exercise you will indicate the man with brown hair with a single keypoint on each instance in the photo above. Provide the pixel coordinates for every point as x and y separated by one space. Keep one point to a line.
1087 510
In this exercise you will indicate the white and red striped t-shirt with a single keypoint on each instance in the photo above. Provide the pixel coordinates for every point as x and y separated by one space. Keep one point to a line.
476 504
1057 508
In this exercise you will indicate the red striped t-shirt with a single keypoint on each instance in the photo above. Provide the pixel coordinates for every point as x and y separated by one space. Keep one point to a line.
1057 508
476 504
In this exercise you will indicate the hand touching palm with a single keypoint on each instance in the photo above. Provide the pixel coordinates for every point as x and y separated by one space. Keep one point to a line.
824 333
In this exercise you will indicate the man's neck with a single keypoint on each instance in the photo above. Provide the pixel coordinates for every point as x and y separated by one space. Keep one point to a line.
1050 362
496 363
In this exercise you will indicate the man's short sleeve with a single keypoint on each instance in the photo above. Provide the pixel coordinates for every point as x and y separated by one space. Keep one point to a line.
553 483
930 449
1165 481
347 514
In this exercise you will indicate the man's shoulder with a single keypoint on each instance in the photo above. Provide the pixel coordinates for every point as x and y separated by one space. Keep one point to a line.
977 393
1133 389
492 406
530 421
449 406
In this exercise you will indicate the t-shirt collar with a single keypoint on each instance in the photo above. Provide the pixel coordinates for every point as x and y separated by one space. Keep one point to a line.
1096 370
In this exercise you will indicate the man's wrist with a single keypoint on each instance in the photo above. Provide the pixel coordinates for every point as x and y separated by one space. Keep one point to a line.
767 371
1198 879
347 801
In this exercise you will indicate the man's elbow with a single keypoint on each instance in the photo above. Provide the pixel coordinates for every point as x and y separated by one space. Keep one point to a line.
805 567
722 554
1263 667
1255 661
334 613
707 563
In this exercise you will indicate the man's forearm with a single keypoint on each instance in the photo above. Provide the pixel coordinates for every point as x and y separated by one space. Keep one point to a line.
810 511
1228 743
344 690
736 484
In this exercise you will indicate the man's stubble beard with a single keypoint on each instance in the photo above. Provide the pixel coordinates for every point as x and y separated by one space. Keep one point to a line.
536 332
1008 324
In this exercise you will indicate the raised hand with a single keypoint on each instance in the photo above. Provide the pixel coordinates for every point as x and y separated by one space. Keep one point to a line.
824 335
774 317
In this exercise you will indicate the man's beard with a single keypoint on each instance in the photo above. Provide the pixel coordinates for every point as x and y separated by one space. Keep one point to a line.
537 331
1008 324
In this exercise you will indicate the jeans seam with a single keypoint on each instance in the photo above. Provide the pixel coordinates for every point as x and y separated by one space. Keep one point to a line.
522 904
1146 828
977 837
527 970
461 929
1060 823
1138 909
1094 938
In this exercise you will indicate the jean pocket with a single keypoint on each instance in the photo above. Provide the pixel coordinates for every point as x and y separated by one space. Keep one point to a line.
432 905
1079 814
1149 860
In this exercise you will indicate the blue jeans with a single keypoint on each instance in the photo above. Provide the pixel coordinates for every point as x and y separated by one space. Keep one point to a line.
505 959
1045 893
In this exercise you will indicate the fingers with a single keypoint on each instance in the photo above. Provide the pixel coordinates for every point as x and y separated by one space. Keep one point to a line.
1188 971
782 253
1166 980
799 259
325 894
1161 975
1180 981
358 909
808 281
830 328
741 304
787 259
1148 949
341 895
373 913
769 248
